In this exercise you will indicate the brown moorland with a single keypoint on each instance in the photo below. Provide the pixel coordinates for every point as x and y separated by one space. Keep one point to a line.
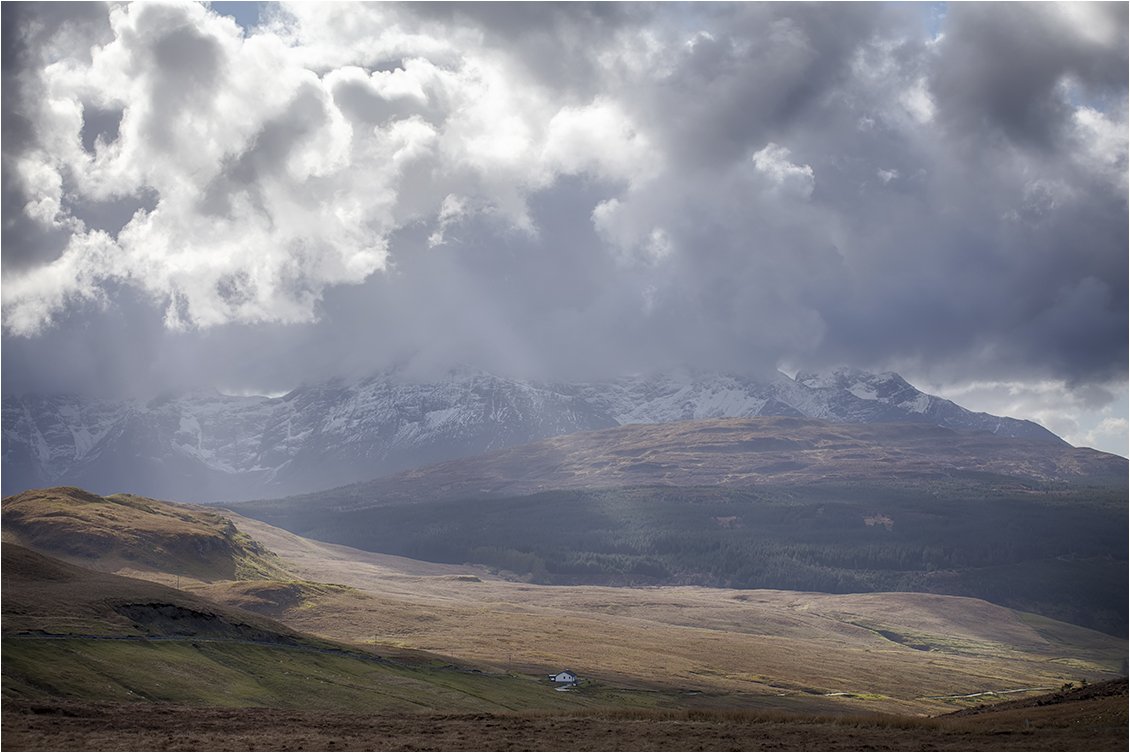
73 634
732 452
1092 720
766 503
689 646
913 653
125 533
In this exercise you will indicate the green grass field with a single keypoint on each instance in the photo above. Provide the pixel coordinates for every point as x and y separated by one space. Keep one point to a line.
230 674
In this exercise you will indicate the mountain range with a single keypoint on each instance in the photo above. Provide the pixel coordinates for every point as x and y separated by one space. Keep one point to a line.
207 446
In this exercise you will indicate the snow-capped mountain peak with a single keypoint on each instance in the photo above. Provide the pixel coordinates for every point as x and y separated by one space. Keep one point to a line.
209 446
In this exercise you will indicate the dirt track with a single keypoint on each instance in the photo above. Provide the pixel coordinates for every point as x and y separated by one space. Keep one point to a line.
1101 725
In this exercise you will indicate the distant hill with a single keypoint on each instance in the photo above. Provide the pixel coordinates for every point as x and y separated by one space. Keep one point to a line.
741 453
126 532
206 446
776 502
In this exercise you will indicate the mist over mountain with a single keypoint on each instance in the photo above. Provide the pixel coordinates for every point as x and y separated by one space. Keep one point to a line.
205 446
538 191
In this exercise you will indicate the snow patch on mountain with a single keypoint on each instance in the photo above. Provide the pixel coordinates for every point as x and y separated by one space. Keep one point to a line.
210 446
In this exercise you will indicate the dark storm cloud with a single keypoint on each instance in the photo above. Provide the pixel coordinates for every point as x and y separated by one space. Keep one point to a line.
182 66
573 191
26 242
31 31
759 70
1001 67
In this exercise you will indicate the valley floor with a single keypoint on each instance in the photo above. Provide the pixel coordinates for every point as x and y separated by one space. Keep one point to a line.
284 643
890 653
1066 721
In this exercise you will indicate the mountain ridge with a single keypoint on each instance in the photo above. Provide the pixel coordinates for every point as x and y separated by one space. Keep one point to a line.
206 446
743 453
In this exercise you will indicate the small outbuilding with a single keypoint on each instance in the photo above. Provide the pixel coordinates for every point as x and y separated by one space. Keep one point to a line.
564 676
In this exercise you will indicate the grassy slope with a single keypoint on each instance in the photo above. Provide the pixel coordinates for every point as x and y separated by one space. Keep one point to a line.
126 533
225 673
781 645
761 648
43 594
66 635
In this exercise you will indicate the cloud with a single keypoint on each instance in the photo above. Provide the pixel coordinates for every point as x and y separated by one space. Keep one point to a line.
1002 69
259 183
241 229
1086 416
784 176
600 140
1108 435
566 188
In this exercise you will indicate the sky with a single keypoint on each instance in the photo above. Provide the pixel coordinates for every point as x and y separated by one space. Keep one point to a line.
251 196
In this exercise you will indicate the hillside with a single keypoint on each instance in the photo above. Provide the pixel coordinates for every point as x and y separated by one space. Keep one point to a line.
900 652
206 446
762 503
126 533
46 596
73 634
738 453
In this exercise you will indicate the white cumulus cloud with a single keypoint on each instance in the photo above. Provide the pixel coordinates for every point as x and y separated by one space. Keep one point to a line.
268 168
786 177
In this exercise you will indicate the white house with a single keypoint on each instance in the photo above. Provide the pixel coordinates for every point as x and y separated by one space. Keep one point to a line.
564 676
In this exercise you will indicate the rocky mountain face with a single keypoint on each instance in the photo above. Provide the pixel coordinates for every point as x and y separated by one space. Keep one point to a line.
210 447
